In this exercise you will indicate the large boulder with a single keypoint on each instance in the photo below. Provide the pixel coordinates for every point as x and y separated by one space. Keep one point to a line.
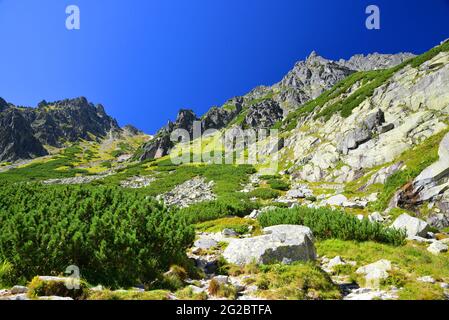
282 243
413 226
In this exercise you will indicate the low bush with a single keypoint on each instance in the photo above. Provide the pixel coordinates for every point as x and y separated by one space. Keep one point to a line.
327 223
211 210
278 184
116 238
264 193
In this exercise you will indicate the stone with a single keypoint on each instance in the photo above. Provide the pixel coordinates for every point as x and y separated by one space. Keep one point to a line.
190 192
205 243
413 226
375 273
376 217
439 221
337 200
282 243
337 261
437 247
221 279
426 279
19 290
229 232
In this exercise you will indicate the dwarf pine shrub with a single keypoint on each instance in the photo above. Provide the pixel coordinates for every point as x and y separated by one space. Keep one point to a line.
116 238
328 223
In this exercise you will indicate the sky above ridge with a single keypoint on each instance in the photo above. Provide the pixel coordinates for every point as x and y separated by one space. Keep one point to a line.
145 59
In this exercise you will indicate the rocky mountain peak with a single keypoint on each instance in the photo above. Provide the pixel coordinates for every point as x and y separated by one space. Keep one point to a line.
3 105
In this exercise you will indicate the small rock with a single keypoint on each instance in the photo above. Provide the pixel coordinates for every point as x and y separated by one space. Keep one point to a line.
205 243
229 233
19 290
375 272
426 279
437 247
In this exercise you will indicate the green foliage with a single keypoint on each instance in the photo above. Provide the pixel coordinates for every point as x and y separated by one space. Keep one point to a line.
264 193
327 223
43 288
48 169
278 184
129 295
115 238
299 281
6 275
211 210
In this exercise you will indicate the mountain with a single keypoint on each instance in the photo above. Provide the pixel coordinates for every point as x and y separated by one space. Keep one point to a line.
265 106
25 131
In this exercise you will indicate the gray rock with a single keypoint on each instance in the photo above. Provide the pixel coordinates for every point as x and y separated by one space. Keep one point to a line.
283 243
439 221
437 247
205 243
413 226
375 273
19 290
229 233
427 279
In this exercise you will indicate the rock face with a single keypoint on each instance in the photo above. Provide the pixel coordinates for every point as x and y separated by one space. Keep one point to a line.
24 131
354 138
263 106
16 137
375 61
283 243
263 115
413 226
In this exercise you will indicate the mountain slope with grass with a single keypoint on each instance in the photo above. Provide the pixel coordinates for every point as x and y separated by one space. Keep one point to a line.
358 207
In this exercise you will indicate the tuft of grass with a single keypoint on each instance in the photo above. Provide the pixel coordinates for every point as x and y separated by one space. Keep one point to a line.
129 295
40 288
299 281
410 261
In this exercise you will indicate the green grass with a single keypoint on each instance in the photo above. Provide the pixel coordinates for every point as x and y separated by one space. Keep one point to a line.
264 193
298 281
327 223
47 169
129 295
412 260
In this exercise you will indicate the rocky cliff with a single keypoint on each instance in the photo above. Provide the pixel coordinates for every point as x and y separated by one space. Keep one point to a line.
25 131
265 106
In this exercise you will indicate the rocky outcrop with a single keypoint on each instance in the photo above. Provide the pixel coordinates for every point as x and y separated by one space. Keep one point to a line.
310 78
283 243
375 61
16 137
26 130
363 133
263 115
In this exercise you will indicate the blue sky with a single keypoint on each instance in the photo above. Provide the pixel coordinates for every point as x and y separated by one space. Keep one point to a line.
145 59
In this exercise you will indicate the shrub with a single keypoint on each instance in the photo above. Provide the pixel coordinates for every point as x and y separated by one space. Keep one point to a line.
278 184
6 275
327 223
211 210
116 238
264 193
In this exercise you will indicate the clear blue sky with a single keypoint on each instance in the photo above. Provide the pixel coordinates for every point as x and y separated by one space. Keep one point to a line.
145 59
